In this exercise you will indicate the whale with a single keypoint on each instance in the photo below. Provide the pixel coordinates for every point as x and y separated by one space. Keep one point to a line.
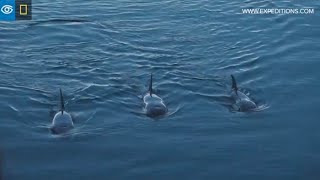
242 102
154 105
62 121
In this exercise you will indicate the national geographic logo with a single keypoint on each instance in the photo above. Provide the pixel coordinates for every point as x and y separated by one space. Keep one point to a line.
23 10
11 10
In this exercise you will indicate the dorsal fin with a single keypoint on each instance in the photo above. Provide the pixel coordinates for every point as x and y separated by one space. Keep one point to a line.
234 84
150 85
61 101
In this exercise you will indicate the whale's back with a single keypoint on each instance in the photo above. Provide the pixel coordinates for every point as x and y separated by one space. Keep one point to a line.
242 102
62 122
154 105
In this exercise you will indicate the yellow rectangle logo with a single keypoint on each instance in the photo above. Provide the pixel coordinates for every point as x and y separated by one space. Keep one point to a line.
23 9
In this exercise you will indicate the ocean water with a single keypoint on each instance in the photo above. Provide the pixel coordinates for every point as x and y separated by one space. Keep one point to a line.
101 54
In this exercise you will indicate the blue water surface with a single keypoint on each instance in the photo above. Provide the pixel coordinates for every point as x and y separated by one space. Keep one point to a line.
101 54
